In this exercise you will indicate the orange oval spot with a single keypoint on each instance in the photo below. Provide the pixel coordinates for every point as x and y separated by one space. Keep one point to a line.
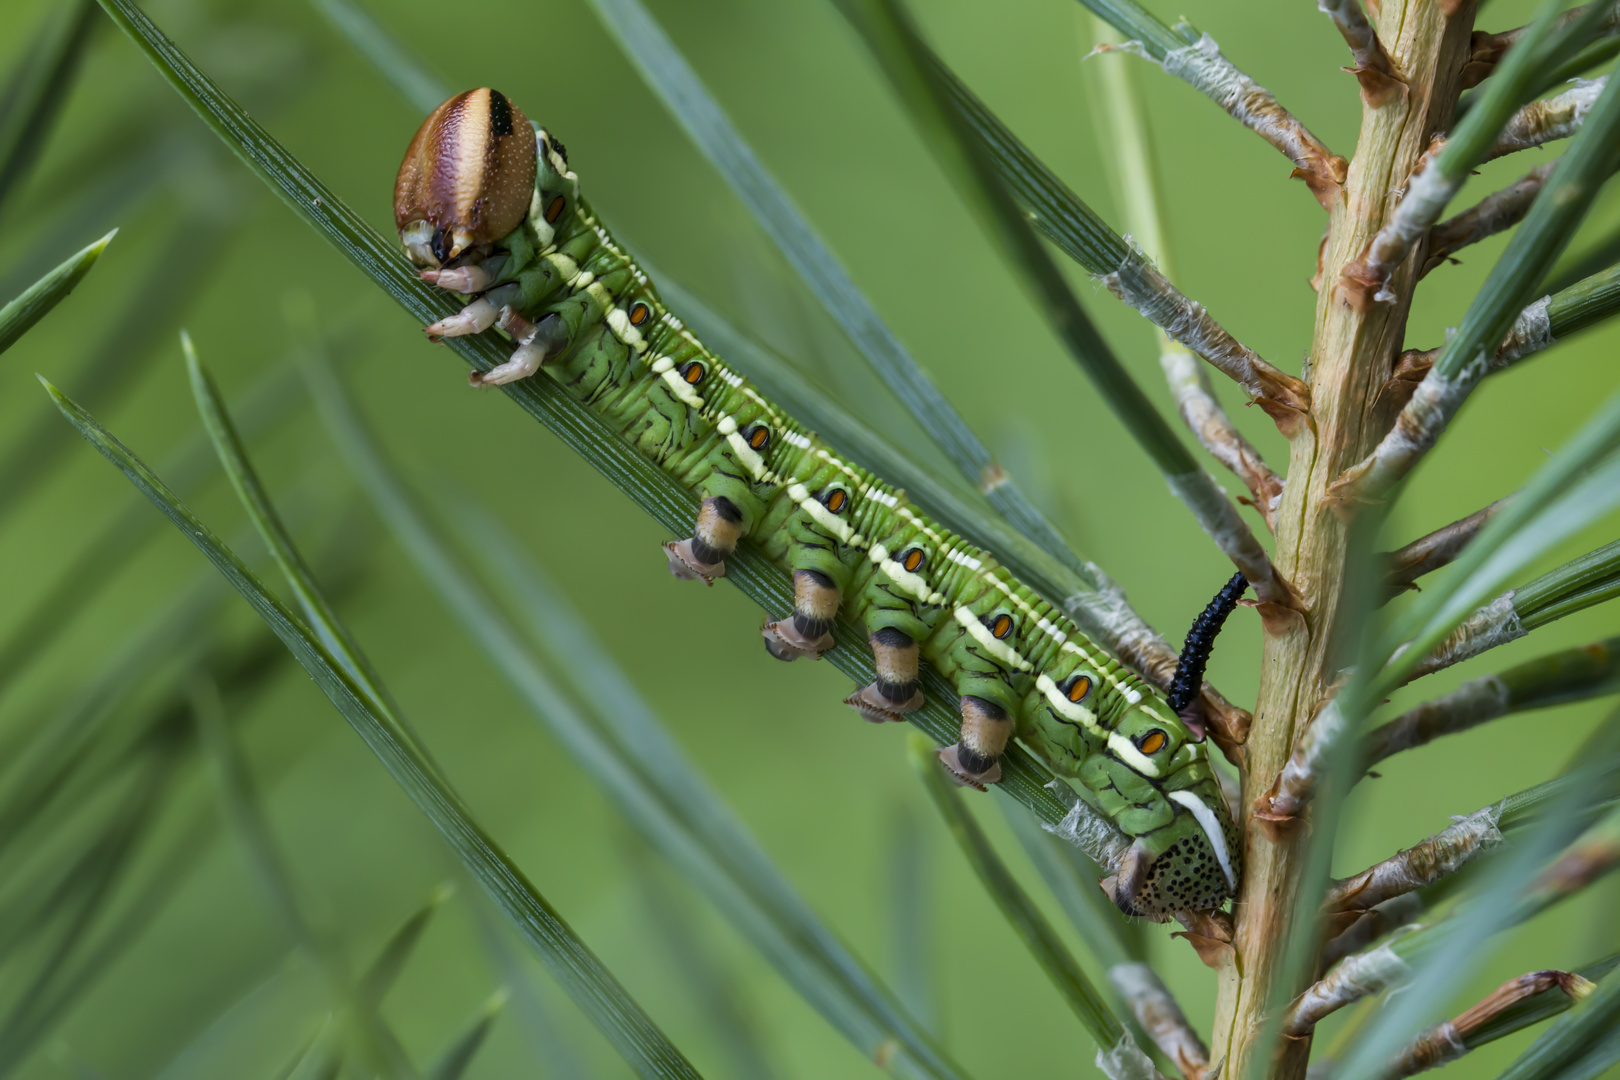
1002 627
836 500
1153 742
1079 688
693 374
554 211
759 437
639 313
912 559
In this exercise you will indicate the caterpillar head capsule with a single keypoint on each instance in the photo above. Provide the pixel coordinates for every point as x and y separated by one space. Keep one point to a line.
467 178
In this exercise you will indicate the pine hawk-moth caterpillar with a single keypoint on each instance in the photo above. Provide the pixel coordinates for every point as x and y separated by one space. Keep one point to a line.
488 207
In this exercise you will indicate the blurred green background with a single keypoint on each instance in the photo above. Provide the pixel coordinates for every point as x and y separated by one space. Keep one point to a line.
832 799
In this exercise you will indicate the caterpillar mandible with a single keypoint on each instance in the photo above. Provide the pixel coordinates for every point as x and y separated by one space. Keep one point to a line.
487 206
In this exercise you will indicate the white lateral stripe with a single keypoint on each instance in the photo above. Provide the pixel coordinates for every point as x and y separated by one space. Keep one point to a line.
1127 752
1212 828
665 367
745 453
824 517
999 649
915 584
566 268
1065 708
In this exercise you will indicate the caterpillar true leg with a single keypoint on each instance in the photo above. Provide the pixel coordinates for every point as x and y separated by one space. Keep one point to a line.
475 318
807 632
467 279
535 344
894 692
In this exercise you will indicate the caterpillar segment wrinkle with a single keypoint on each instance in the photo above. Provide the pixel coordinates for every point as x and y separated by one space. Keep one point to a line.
540 267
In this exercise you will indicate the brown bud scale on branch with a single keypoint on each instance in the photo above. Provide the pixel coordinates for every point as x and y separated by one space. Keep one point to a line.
1428 190
1139 283
1487 50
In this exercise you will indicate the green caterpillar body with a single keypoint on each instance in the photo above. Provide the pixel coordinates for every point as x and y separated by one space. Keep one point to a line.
577 303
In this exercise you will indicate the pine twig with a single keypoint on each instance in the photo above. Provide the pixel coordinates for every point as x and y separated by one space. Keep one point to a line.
1448 162
1210 424
1159 1015
1373 70
1450 1040
1496 623
1351 979
1594 853
1429 553
1575 586
1568 675
1141 285
1082 234
1465 359
1295 784
1120 109
1497 212
1202 66
1402 910
1537 328
1422 864
1549 119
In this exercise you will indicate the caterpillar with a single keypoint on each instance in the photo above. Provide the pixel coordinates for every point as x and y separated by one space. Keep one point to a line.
488 207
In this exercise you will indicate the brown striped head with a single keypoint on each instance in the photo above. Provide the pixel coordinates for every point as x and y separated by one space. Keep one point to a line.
467 178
